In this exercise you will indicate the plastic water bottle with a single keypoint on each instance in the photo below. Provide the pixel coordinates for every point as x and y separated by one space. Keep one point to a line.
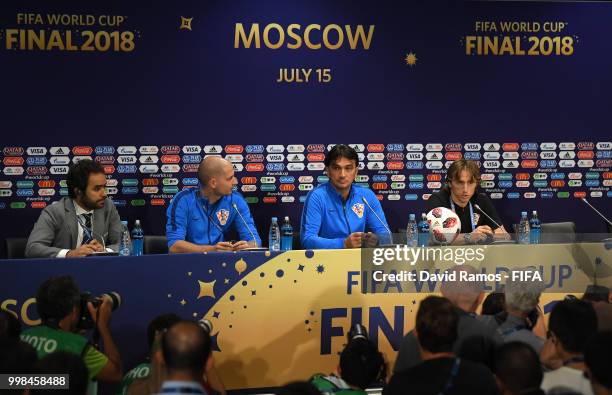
523 229
535 228
125 243
423 231
286 235
412 233
274 237
137 237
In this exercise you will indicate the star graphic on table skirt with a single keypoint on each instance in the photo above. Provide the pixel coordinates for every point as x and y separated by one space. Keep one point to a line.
183 302
207 289
185 23
301 268
216 314
226 281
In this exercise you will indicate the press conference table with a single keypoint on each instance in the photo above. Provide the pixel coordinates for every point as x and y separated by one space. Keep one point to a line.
279 316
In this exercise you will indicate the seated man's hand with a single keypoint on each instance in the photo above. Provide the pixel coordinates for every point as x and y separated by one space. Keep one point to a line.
224 246
370 240
96 245
241 245
84 250
354 240
486 229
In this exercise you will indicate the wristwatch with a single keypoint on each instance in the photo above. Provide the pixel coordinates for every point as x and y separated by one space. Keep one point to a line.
467 238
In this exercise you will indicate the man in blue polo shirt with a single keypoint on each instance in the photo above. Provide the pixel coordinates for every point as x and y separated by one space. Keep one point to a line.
199 217
337 214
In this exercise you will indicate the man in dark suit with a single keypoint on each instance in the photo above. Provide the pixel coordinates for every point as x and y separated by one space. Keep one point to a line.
81 224
460 194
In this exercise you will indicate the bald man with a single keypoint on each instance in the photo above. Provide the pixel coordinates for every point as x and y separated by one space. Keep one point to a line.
186 349
198 218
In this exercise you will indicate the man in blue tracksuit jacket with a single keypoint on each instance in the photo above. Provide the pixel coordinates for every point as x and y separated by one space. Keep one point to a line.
336 214
199 217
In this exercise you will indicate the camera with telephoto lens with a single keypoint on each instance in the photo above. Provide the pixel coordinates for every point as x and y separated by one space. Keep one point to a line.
86 320
357 331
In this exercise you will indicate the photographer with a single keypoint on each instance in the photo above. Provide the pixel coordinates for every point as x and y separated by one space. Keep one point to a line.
361 365
58 301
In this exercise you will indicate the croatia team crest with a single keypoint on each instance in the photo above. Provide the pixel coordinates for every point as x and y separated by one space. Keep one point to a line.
222 216
358 209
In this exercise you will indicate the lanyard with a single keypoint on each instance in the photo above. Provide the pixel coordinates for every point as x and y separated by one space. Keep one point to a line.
512 330
471 213
87 233
451 379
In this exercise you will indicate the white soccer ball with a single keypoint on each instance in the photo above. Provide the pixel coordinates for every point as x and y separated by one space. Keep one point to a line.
444 225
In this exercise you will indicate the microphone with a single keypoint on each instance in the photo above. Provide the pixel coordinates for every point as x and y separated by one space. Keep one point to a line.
379 219
597 211
487 215
245 223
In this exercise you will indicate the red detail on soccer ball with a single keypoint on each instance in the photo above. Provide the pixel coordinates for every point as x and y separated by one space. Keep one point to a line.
449 222
437 212
439 236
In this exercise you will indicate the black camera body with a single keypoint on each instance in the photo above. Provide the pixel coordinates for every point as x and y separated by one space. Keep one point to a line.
86 321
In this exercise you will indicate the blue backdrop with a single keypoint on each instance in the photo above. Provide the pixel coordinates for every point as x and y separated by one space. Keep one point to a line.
181 81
